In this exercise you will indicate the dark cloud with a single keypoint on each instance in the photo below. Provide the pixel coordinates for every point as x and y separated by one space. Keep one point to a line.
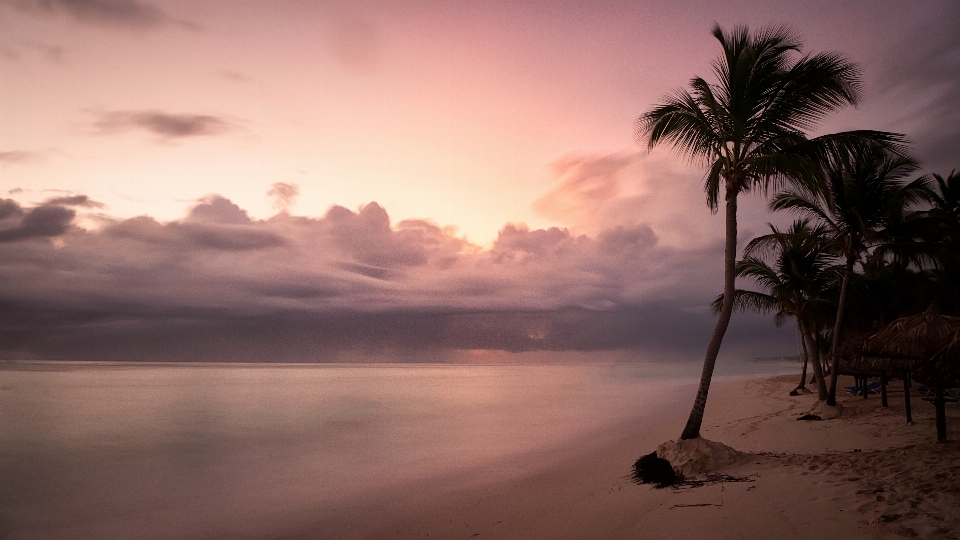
124 13
41 222
228 237
74 200
366 237
161 124
9 208
218 285
215 223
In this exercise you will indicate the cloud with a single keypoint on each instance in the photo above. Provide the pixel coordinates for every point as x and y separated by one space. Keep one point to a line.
218 284
163 125
51 53
232 75
74 200
18 157
284 195
44 221
354 40
594 193
922 71
123 13
213 224
585 184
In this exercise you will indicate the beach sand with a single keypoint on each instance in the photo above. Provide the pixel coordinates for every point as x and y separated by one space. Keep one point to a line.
866 474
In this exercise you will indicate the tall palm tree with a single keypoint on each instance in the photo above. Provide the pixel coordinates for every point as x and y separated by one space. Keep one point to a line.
749 130
862 198
794 286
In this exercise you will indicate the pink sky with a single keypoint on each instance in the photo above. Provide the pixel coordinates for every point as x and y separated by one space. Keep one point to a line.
456 119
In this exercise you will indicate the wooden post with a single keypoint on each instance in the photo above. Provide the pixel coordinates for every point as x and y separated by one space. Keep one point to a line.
883 388
906 395
939 403
863 384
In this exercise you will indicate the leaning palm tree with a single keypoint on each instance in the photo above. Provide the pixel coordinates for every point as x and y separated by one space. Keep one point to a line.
864 195
794 286
749 130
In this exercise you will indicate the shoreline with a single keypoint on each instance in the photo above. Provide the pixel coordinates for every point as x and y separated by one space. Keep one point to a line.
867 474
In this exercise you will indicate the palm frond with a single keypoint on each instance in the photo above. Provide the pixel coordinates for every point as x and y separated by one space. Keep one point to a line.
744 300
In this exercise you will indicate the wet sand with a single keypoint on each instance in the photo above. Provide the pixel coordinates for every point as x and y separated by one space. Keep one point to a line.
866 474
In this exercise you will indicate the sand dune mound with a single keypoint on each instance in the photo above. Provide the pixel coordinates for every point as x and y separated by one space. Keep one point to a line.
826 412
697 456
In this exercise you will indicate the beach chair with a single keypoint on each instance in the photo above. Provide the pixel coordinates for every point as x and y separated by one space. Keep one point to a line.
858 390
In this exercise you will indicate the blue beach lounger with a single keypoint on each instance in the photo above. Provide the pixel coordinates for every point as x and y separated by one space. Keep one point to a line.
857 390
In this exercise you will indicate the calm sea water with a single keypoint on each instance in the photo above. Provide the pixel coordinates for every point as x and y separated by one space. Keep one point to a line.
201 451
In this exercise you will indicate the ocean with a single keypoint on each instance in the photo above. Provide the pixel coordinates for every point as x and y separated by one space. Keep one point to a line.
114 450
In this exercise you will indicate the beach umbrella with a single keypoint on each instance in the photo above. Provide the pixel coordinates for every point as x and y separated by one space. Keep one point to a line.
918 337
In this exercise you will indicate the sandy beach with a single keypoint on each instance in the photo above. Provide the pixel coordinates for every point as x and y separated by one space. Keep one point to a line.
866 474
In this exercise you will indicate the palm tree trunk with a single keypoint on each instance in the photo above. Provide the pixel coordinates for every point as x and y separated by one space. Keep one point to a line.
806 357
837 326
811 345
692 429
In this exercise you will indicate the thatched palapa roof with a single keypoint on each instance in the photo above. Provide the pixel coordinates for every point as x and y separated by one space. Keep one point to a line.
943 366
908 344
913 336
875 364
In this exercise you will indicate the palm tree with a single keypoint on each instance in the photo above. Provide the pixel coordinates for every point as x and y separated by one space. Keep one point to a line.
941 232
794 286
749 129
862 198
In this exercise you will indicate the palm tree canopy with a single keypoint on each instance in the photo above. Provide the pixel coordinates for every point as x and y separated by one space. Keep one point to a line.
795 283
748 128
938 227
862 197
946 199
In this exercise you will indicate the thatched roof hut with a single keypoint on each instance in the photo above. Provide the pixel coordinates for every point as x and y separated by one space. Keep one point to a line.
943 365
854 361
933 340
911 337
857 364
909 344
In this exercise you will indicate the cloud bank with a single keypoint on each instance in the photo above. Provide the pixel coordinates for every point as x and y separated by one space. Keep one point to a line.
219 285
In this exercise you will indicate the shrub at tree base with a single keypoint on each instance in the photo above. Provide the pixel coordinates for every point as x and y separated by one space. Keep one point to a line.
651 469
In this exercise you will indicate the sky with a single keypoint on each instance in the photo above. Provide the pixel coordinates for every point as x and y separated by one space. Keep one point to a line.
277 180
